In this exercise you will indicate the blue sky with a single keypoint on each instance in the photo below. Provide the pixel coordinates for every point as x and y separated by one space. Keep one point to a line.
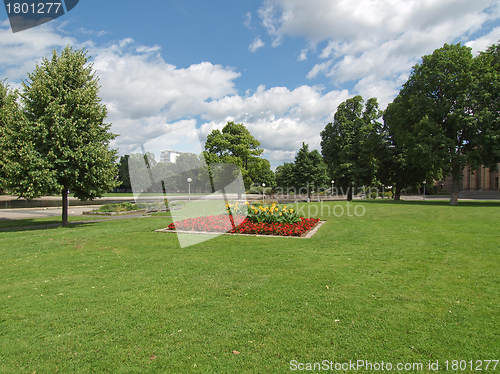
281 67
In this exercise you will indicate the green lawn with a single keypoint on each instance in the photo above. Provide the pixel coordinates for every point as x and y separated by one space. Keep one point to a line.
405 283
28 222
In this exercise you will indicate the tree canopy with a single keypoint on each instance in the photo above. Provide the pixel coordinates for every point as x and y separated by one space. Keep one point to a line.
446 115
61 141
309 170
236 145
352 143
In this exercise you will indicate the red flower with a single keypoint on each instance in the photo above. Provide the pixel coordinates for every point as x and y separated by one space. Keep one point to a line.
225 223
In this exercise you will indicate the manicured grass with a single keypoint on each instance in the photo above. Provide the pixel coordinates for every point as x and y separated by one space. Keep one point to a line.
404 283
45 221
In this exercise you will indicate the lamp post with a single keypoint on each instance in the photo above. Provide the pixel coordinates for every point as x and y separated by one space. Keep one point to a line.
264 192
333 182
189 180
424 189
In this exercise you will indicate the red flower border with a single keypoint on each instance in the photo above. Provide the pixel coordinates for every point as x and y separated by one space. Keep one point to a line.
222 224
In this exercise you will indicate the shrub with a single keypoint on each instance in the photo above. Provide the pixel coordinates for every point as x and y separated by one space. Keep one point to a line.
120 207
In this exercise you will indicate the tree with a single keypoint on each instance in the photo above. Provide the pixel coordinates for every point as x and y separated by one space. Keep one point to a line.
446 114
236 145
352 144
64 142
23 171
284 175
409 157
124 174
9 116
488 105
141 172
260 171
309 169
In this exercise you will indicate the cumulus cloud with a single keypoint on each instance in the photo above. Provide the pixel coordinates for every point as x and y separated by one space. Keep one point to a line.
22 50
256 44
482 43
138 82
371 45
372 40
146 98
248 20
280 118
303 55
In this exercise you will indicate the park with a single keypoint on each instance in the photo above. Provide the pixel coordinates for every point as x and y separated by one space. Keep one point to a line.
386 278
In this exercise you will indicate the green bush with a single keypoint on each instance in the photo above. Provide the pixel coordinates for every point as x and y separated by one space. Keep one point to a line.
120 207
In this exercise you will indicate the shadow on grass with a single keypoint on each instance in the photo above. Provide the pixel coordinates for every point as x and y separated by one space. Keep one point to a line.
16 225
42 224
429 202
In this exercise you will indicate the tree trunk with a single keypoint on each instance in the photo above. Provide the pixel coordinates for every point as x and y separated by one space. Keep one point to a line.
349 193
455 189
397 195
65 206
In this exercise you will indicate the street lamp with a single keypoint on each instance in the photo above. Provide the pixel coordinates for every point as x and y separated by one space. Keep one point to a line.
424 189
333 182
189 180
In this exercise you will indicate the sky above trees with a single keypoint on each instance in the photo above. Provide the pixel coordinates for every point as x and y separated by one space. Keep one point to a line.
280 67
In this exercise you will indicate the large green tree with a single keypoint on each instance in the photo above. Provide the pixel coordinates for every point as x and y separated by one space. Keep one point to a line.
63 132
309 170
236 145
124 174
284 175
9 116
351 144
446 114
487 96
409 157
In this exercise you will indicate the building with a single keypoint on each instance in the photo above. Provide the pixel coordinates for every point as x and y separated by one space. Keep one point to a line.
168 156
481 179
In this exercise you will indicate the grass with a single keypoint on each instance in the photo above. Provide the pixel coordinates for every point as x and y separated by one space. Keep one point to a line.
5 224
404 283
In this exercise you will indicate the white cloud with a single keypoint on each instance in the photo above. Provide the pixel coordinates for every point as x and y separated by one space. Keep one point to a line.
374 43
248 20
280 118
256 44
303 55
137 82
22 50
482 43
147 98
319 68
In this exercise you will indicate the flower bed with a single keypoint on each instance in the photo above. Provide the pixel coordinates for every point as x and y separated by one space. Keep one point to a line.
282 229
222 224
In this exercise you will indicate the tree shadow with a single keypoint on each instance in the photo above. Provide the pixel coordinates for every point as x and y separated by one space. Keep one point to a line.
30 224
